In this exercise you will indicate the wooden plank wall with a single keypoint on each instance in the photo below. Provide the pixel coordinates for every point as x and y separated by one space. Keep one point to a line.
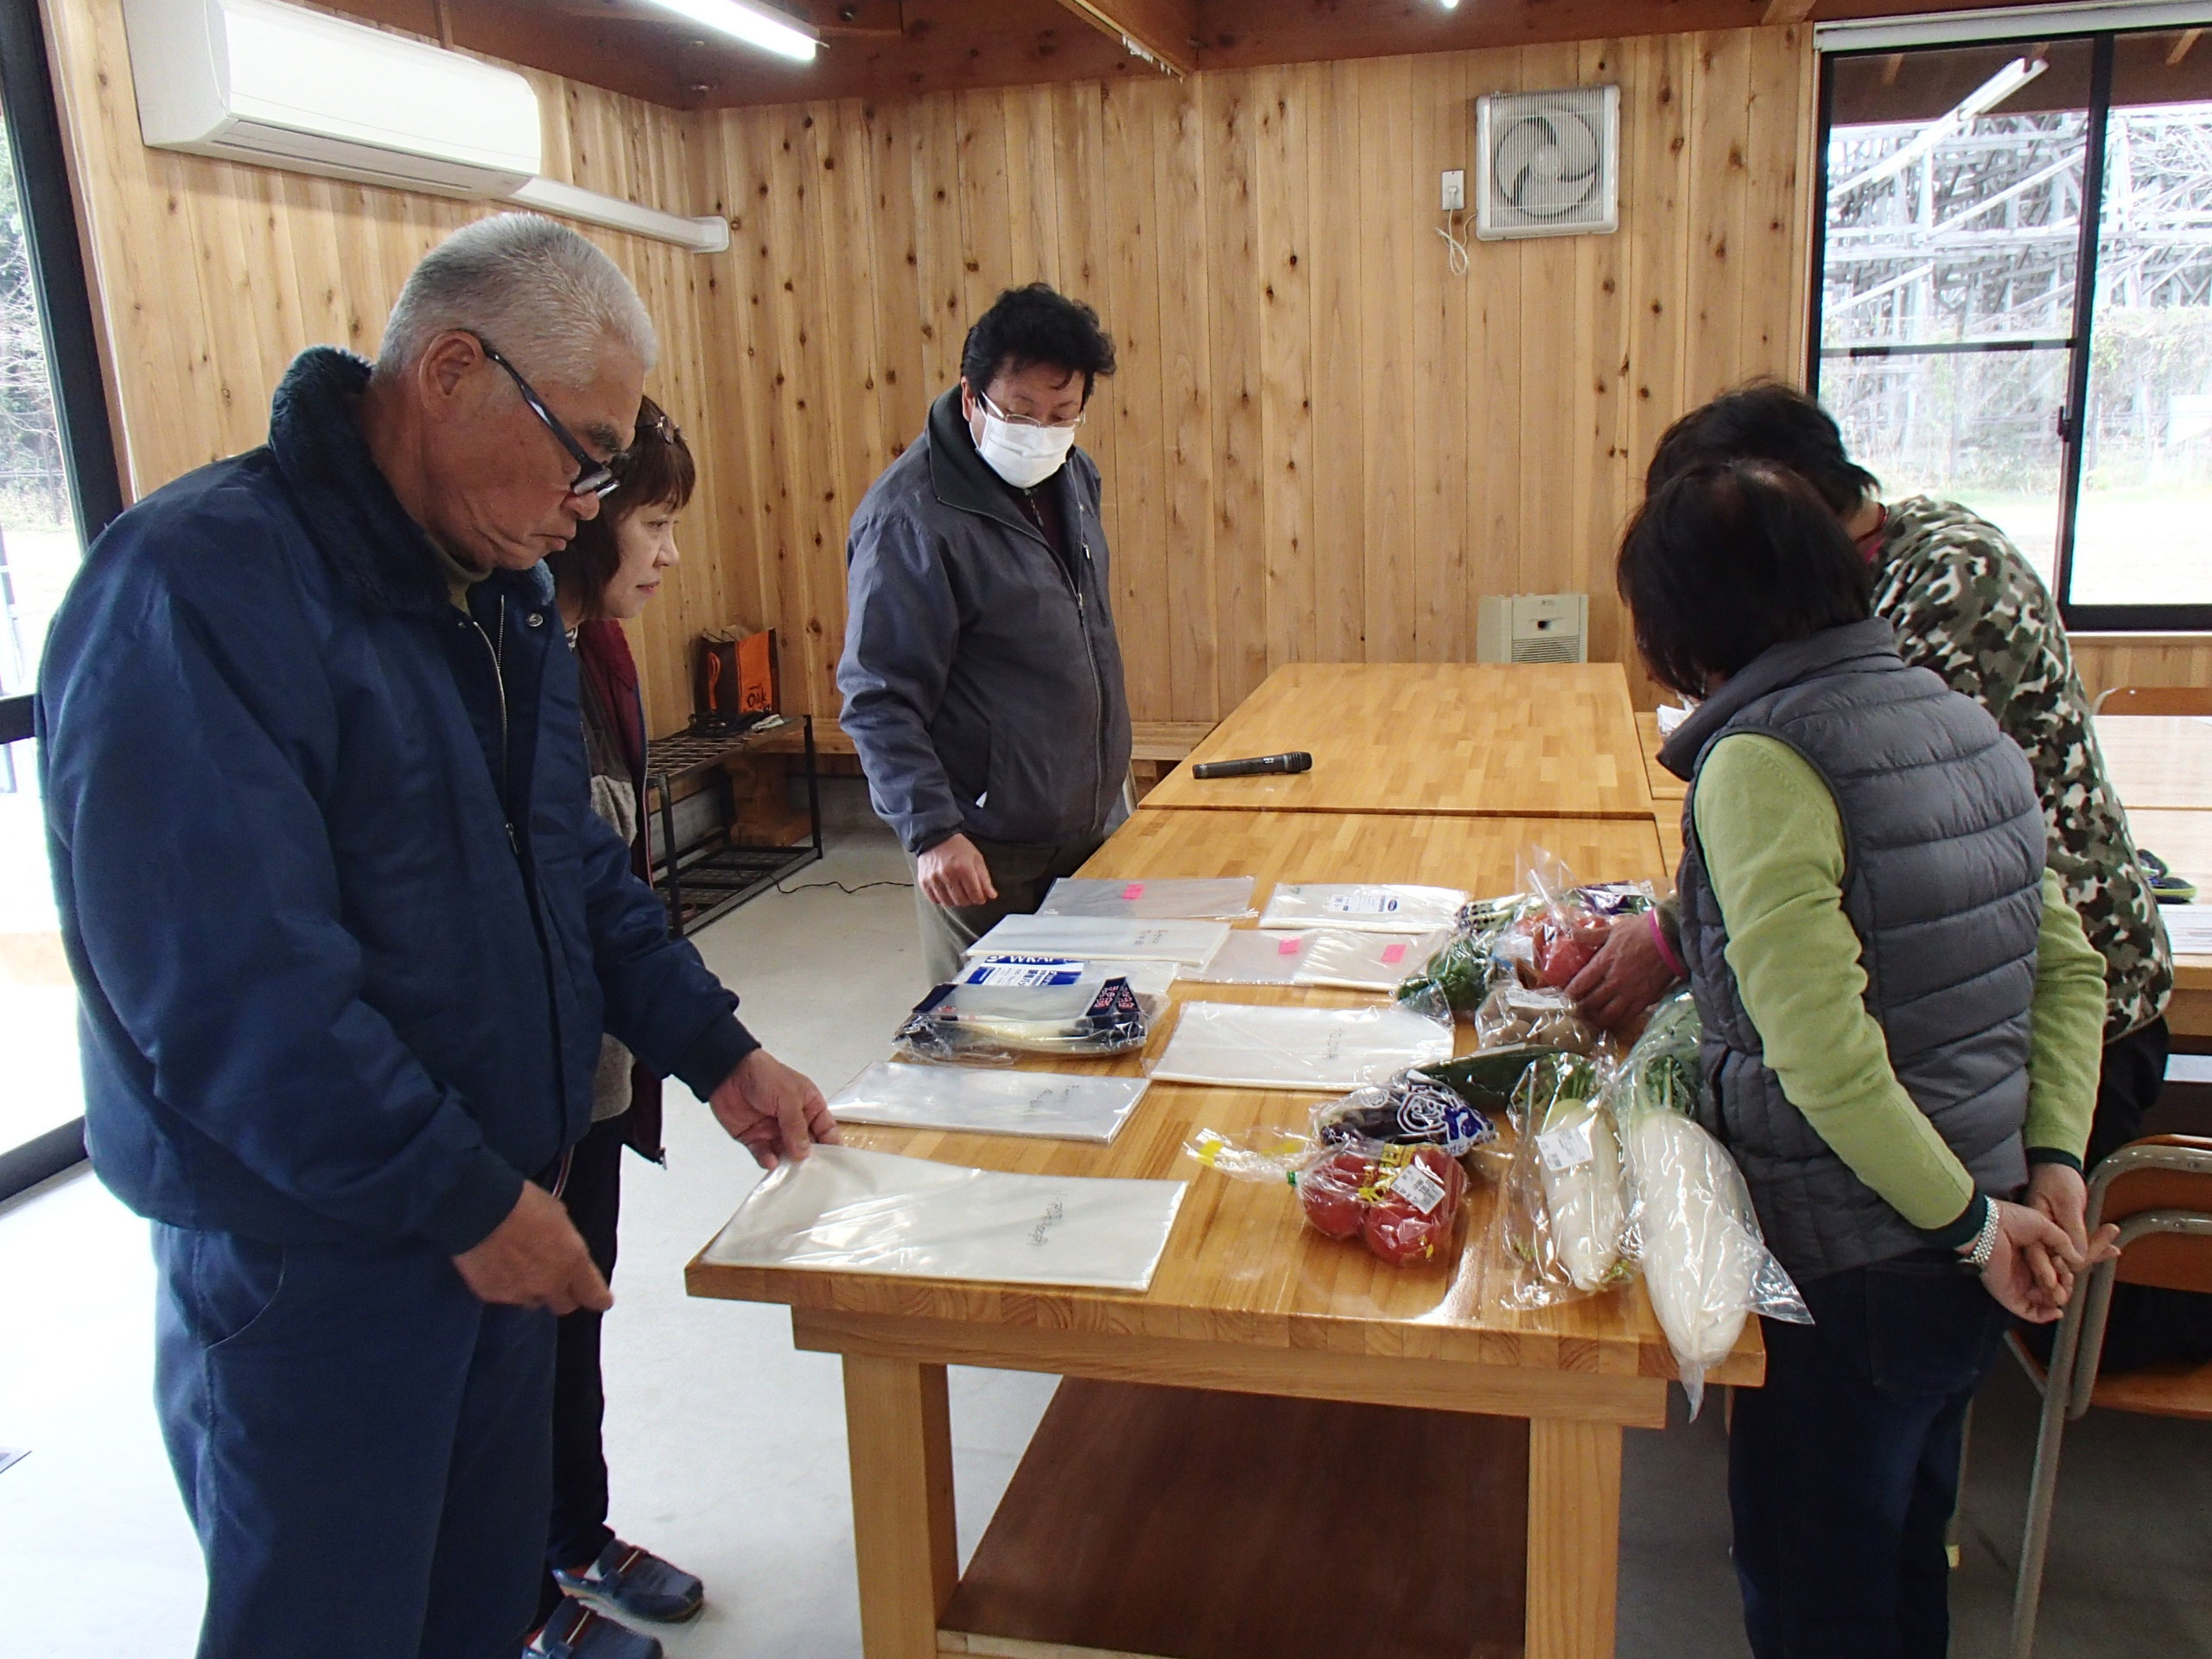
210 277
1321 444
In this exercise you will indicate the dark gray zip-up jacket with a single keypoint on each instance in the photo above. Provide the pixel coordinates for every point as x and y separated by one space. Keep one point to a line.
982 678
1943 843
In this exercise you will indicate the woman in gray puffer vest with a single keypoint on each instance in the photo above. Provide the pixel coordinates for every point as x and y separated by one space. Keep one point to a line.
1903 1021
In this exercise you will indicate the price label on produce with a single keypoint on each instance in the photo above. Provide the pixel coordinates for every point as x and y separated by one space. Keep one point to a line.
1567 1146
1418 1187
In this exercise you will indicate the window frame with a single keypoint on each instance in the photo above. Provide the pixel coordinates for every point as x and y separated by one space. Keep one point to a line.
81 406
2077 343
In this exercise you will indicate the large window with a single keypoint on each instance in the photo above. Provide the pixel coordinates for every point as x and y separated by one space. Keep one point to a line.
57 485
2014 307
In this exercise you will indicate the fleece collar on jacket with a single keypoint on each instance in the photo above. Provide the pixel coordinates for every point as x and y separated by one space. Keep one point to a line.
1773 669
383 558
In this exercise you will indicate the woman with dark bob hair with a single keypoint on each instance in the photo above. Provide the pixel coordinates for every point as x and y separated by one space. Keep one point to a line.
604 577
1901 1017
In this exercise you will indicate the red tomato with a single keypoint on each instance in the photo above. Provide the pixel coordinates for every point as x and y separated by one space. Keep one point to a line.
1330 1192
1565 948
1400 1235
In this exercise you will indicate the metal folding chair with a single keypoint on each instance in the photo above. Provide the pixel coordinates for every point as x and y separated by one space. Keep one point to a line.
2159 1189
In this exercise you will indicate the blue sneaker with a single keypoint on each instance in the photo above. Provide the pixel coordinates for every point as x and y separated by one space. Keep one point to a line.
577 1632
636 1582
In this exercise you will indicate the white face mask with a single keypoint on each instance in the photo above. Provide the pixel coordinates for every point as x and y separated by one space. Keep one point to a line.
1024 456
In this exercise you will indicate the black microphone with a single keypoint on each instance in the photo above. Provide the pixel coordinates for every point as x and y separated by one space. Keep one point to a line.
1296 760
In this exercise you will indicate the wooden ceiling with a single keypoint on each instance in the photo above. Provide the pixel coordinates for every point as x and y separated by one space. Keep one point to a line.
893 48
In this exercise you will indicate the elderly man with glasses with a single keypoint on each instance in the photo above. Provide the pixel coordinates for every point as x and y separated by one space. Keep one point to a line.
982 676
346 933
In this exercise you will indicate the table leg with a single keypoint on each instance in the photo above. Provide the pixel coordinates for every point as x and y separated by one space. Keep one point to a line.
898 1430
1574 1537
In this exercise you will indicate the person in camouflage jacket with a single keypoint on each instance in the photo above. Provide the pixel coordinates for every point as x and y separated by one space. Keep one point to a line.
1965 604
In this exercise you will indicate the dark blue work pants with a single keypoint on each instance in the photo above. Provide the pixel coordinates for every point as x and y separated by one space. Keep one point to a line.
363 1446
1843 1470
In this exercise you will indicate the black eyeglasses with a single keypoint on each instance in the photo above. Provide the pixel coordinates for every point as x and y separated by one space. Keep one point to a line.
595 476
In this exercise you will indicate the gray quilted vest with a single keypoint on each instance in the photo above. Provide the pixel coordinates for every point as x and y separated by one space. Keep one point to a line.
1944 855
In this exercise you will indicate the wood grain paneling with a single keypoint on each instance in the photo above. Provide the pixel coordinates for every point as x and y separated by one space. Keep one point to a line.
1321 445
210 277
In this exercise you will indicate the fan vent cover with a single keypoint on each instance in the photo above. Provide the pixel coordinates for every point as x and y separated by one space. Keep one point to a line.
1548 163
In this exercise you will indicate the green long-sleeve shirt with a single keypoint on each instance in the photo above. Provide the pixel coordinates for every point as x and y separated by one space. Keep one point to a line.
1774 851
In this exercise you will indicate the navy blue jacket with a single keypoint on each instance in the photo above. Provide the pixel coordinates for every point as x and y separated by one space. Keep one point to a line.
344 927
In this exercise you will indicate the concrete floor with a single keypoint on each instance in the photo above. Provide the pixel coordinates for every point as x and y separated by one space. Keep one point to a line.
728 1448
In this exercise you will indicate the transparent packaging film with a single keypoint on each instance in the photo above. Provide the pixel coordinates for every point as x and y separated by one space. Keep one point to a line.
1705 1262
1368 907
1253 956
1220 898
842 1209
1152 979
1099 937
1061 1106
1354 961
1514 1015
944 1029
1563 1210
1246 1045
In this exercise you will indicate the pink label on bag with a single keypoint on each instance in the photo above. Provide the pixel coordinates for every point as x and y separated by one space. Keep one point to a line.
1290 947
1393 955
1134 890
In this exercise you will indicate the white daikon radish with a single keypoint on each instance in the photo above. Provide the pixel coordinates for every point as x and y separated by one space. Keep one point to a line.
1702 1249
1577 1153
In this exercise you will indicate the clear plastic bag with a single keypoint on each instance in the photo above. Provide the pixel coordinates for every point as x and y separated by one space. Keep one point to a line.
946 1028
1514 1015
1465 967
1369 908
1146 979
1103 938
1705 1262
1564 1210
845 1209
1061 1106
1248 1045
1220 898
1351 961
1399 1191
1252 956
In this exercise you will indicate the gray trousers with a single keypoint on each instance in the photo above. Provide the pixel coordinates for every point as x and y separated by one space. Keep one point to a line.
1022 875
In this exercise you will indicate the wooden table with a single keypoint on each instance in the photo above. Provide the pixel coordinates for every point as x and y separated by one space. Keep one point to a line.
1285 1446
1530 741
2158 761
2183 838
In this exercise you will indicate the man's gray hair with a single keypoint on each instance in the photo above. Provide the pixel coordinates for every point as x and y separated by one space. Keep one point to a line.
547 300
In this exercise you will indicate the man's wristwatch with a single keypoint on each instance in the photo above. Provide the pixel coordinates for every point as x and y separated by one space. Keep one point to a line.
1985 1242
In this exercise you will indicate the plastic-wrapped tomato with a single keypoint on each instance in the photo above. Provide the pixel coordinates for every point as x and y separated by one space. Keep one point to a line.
1412 1217
1329 1191
1565 945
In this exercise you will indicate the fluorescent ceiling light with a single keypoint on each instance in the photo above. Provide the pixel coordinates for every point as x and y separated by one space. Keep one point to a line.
1983 98
754 25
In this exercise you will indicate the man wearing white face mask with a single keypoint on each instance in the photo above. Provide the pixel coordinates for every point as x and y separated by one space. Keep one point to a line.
981 678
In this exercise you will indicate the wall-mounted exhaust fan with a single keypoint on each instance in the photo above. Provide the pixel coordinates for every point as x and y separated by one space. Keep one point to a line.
1547 163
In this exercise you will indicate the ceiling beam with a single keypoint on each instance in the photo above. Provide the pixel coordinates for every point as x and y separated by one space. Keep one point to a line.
1789 11
1164 30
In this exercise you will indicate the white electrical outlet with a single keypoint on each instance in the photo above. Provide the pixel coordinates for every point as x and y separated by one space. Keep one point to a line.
1455 190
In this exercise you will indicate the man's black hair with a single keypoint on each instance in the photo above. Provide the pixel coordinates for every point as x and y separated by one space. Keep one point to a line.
1725 561
1032 325
1766 421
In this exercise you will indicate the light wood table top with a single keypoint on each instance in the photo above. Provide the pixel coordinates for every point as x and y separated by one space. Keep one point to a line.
2183 838
1665 786
1529 741
2158 762
1241 1268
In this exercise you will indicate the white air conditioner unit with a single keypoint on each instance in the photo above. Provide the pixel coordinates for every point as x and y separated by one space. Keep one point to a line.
1532 628
255 80
273 84
1547 163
